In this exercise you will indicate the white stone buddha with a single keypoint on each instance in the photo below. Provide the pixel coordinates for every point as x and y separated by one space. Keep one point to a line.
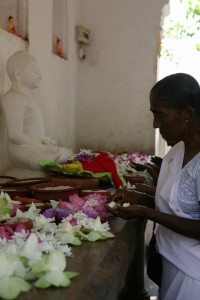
26 141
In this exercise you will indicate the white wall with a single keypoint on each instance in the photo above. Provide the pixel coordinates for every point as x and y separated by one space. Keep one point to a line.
116 77
59 75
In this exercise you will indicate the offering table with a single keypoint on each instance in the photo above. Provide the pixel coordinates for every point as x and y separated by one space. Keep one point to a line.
108 270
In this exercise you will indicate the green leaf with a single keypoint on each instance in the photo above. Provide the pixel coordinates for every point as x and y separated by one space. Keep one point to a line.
76 241
107 234
71 275
93 236
81 235
67 238
4 207
3 202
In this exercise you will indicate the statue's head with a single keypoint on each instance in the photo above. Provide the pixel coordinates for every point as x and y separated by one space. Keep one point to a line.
22 68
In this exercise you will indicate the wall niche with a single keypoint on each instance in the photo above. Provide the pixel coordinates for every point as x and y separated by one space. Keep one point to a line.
60 28
14 17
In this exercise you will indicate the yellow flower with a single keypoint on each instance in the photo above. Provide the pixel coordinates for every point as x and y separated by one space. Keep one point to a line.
74 166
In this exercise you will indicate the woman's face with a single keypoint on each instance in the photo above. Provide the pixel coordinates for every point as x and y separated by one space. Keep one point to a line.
171 124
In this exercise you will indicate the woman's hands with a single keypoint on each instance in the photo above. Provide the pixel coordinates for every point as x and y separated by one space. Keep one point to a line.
124 196
145 188
151 168
130 204
126 213
126 204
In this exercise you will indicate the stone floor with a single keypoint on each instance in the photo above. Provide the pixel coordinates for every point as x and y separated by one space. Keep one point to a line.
151 287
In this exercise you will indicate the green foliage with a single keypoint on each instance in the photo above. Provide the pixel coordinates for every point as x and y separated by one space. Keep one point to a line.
193 10
187 27
178 30
198 47
167 53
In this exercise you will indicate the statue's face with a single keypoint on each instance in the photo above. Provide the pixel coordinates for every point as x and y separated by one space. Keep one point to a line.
30 76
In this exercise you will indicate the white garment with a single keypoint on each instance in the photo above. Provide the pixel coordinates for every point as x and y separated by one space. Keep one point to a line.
177 283
181 251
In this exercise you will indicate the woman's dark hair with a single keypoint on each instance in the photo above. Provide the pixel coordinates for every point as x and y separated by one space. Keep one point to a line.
178 91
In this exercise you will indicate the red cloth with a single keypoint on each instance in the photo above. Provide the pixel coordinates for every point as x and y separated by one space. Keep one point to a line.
103 163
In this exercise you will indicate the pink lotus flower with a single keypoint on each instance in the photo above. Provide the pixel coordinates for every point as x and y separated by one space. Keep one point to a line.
7 231
73 221
75 203
21 207
92 205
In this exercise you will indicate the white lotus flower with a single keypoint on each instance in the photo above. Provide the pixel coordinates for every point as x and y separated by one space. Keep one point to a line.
4 217
10 284
31 213
7 266
67 227
54 203
30 249
40 221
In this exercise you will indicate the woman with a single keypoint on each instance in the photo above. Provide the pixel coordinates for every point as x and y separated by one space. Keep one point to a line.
175 104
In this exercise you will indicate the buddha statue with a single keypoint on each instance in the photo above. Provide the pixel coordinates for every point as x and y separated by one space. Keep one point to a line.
26 141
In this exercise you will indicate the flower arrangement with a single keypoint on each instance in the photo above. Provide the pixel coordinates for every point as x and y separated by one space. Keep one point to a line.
123 162
103 165
100 166
85 155
38 252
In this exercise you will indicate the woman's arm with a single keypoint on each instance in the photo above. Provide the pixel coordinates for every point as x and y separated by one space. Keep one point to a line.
133 197
186 227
